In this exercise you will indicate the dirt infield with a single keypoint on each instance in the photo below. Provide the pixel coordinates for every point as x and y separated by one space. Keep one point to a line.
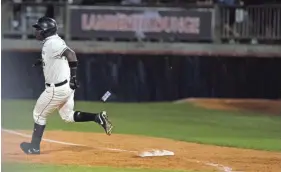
188 156
256 105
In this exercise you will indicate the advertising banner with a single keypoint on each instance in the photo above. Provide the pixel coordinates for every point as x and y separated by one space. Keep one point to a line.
142 23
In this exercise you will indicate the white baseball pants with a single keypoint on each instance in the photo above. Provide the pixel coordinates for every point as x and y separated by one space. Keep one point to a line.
54 98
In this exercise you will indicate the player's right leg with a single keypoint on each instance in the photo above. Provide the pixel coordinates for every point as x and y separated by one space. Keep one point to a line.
45 105
69 115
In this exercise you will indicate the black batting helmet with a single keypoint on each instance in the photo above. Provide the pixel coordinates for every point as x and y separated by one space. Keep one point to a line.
47 25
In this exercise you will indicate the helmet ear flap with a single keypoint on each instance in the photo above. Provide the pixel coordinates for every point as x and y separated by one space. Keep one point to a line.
42 33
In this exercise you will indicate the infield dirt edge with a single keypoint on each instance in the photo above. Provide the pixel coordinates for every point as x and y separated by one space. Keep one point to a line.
188 156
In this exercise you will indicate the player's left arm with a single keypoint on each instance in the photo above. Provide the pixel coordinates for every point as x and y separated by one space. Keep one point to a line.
73 64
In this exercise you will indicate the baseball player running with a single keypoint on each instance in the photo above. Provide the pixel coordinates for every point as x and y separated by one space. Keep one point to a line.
59 64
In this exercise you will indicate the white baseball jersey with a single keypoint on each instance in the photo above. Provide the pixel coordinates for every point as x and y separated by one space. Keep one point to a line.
56 70
55 67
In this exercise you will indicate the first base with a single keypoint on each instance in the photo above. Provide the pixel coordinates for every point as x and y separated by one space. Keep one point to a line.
156 153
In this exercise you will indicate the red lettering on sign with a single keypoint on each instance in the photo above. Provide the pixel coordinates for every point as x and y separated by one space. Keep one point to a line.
139 22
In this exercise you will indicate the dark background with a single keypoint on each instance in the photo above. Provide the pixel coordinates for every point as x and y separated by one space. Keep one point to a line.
135 78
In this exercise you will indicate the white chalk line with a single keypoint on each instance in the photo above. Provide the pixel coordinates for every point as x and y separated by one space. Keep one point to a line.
218 166
64 143
47 140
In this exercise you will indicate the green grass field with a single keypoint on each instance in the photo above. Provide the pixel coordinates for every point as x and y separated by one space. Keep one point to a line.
9 167
176 121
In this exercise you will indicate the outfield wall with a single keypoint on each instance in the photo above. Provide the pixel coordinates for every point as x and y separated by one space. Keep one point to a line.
150 78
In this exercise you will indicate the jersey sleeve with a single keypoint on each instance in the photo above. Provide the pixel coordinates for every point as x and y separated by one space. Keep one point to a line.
57 49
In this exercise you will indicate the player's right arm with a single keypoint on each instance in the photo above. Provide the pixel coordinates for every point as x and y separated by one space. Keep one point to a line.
39 62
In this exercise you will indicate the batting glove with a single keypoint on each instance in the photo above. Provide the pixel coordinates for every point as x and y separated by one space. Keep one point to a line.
73 83
39 62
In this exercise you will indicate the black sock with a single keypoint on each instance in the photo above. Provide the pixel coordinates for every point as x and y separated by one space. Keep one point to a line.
37 134
86 116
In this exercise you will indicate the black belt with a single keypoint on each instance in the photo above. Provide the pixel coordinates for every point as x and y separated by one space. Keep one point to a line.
58 84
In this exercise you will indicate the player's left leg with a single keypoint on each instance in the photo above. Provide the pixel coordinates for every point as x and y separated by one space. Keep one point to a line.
69 115
45 105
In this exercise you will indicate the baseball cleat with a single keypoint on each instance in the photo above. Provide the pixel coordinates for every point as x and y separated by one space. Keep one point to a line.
105 123
27 148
